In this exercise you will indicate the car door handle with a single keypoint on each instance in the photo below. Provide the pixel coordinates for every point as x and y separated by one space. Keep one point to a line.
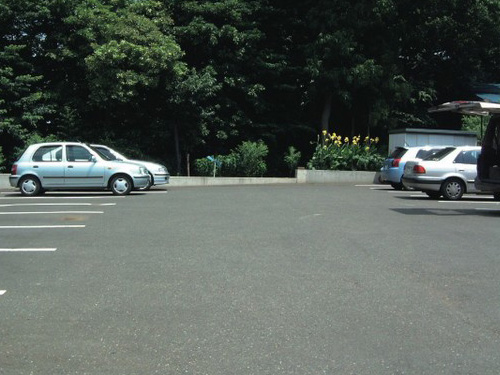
70 166
35 166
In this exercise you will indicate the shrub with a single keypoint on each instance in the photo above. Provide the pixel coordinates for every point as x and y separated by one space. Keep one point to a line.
246 160
292 158
338 153
250 156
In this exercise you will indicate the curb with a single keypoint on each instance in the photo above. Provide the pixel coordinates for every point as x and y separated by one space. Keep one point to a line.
303 176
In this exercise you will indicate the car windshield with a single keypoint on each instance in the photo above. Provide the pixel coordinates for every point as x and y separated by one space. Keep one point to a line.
101 154
440 154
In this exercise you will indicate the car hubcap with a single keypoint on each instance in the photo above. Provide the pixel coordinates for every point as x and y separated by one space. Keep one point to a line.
29 186
120 185
453 189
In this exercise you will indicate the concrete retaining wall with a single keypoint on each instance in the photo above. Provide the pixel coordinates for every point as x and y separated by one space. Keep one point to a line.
303 176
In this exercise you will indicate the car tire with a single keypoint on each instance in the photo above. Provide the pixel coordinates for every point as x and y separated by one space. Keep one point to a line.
121 185
453 189
433 194
30 186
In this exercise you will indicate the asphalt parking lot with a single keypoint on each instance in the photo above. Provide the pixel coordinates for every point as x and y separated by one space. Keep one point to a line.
288 279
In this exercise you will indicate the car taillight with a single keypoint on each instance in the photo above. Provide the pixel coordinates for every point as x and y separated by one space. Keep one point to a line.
395 163
418 169
14 169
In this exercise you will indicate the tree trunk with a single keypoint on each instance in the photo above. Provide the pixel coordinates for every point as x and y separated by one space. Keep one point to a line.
177 148
327 111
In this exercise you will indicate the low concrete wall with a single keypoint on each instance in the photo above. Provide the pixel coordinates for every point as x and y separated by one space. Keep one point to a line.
215 181
338 177
303 176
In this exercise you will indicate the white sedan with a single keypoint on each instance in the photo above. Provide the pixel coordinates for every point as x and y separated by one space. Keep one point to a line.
158 173
449 173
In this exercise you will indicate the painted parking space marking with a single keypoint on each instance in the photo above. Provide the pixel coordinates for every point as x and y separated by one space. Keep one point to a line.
55 204
40 249
50 212
67 197
2 292
41 226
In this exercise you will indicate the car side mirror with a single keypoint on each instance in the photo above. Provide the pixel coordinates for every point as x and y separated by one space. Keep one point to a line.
93 159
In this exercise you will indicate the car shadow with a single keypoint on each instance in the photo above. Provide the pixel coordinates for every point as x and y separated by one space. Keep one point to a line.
448 211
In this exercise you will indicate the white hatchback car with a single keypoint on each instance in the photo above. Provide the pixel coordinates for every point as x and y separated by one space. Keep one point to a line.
158 173
72 165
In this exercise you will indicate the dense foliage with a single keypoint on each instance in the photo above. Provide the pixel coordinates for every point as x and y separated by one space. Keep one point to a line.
246 160
176 80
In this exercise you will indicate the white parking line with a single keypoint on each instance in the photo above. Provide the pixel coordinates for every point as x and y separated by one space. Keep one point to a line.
28 249
50 212
45 204
69 197
2 292
40 226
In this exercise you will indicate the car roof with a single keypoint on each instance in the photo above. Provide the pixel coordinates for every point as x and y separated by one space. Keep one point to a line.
467 107
57 143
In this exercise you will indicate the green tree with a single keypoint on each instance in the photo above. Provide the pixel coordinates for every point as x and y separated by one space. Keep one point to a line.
23 105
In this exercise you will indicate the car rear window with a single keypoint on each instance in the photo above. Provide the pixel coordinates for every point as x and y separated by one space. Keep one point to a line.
440 154
398 153
423 154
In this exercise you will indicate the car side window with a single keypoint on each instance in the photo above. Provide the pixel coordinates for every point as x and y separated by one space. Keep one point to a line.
78 154
467 157
48 154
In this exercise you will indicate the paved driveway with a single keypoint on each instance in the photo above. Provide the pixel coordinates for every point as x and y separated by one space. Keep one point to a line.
291 279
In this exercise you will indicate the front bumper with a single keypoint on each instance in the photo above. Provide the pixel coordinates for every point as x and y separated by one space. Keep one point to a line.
140 181
161 179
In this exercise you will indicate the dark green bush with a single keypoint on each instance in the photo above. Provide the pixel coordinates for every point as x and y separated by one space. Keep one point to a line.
246 160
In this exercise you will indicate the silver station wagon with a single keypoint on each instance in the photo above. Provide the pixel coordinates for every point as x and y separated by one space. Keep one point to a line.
73 165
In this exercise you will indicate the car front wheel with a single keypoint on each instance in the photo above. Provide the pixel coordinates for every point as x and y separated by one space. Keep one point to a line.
30 186
453 189
121 185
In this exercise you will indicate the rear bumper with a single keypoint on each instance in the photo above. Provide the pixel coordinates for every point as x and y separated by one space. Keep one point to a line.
13 181
422 184
391 175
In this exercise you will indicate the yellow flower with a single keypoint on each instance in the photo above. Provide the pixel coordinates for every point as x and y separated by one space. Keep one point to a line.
324 132
367 148
346 140
377 139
